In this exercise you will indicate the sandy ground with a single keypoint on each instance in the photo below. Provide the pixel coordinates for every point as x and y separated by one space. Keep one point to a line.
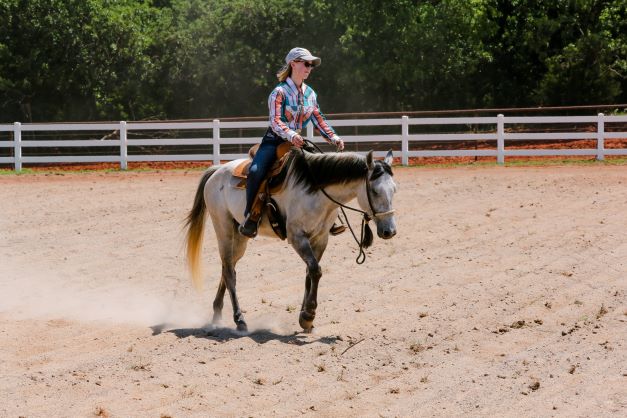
504 294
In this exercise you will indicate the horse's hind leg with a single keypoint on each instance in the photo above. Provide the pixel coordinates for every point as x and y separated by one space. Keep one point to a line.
232 248
218 302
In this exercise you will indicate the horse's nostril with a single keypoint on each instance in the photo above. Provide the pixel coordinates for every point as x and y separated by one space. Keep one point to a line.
389 234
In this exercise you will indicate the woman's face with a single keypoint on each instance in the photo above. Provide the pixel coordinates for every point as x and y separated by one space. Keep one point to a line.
301 69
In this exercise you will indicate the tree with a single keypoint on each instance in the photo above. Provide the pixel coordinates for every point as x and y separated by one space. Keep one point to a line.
556 53
78 59
220 57
136 59
591 67
403 54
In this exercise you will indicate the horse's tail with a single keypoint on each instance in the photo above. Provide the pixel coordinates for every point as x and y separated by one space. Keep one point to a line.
195 223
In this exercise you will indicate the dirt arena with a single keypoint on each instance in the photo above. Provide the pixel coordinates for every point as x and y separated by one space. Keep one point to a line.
504 294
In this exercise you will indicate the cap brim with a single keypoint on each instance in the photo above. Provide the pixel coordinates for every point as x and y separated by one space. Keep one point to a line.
311 58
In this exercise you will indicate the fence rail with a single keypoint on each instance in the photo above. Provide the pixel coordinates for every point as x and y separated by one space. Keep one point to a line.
495 129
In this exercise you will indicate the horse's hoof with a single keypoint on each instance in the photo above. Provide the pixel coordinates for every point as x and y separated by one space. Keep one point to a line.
306 321
242 327
308 330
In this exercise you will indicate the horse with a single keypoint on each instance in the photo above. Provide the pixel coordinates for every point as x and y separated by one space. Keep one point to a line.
315 186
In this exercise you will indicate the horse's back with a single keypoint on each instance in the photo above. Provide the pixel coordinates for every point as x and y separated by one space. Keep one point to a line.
226 202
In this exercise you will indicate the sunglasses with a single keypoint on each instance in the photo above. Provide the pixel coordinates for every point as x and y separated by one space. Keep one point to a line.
307 64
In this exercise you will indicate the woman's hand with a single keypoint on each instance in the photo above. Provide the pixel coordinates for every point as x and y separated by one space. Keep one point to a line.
339 144
297 141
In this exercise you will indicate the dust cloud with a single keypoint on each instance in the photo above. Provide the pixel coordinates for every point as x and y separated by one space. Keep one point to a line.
29 294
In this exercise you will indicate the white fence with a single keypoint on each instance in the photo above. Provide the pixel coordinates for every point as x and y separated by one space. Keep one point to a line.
495 130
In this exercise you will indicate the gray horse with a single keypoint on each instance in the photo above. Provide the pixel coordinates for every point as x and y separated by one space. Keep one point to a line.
307 211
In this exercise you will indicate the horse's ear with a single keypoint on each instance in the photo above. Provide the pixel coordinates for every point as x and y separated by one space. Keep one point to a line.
389 158
370 160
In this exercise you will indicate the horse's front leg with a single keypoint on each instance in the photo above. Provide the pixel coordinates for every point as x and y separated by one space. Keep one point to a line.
238 316
311 255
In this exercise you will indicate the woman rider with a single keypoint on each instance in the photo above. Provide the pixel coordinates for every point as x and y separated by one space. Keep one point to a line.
292 105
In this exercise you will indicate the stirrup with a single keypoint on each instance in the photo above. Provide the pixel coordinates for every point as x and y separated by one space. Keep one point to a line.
337 229
248 228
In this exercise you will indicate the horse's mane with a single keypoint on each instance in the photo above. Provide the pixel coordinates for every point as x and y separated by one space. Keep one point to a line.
316 171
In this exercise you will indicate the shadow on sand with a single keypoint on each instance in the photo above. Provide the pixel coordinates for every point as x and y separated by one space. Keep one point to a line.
260 336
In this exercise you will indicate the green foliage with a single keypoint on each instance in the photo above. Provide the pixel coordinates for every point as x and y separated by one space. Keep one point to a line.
557 52
75 59
138 59
412 55
591 65
219 57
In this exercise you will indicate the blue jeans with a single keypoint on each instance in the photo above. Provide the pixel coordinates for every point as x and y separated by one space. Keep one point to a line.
264 158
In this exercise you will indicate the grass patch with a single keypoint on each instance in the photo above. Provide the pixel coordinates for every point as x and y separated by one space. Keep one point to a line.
60 171
570 162
525 163
539 162
63 171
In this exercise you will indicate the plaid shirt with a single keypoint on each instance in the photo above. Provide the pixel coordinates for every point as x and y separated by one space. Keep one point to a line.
291 110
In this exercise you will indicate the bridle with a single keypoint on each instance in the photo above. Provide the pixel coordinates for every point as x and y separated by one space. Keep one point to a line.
366 236
374 213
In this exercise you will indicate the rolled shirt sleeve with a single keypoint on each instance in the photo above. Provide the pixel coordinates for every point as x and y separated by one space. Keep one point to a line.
320 122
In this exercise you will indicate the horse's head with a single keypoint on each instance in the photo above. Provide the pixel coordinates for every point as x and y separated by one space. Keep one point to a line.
376 197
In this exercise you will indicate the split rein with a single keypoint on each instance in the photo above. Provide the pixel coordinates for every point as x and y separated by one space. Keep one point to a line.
365 239
366 236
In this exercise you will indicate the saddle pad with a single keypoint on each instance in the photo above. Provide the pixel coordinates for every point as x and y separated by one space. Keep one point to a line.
241 171
241 184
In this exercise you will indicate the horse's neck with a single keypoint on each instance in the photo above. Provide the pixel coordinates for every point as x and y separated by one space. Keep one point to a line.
344 192
342 175
341 193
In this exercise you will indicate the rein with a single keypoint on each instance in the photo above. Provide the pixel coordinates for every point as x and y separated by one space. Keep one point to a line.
366 237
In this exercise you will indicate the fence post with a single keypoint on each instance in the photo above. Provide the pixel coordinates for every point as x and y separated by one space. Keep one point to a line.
17 153
500 139
405 140
216 142
123 146
601 137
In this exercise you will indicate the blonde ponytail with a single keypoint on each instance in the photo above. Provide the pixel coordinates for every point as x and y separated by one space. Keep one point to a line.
284 73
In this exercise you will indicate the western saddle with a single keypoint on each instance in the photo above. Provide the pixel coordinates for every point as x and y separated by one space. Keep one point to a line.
272 183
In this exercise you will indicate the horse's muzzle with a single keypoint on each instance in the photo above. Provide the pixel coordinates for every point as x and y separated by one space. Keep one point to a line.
387 233
386 228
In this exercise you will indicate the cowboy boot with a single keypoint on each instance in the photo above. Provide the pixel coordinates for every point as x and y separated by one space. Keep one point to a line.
248 228
337 229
